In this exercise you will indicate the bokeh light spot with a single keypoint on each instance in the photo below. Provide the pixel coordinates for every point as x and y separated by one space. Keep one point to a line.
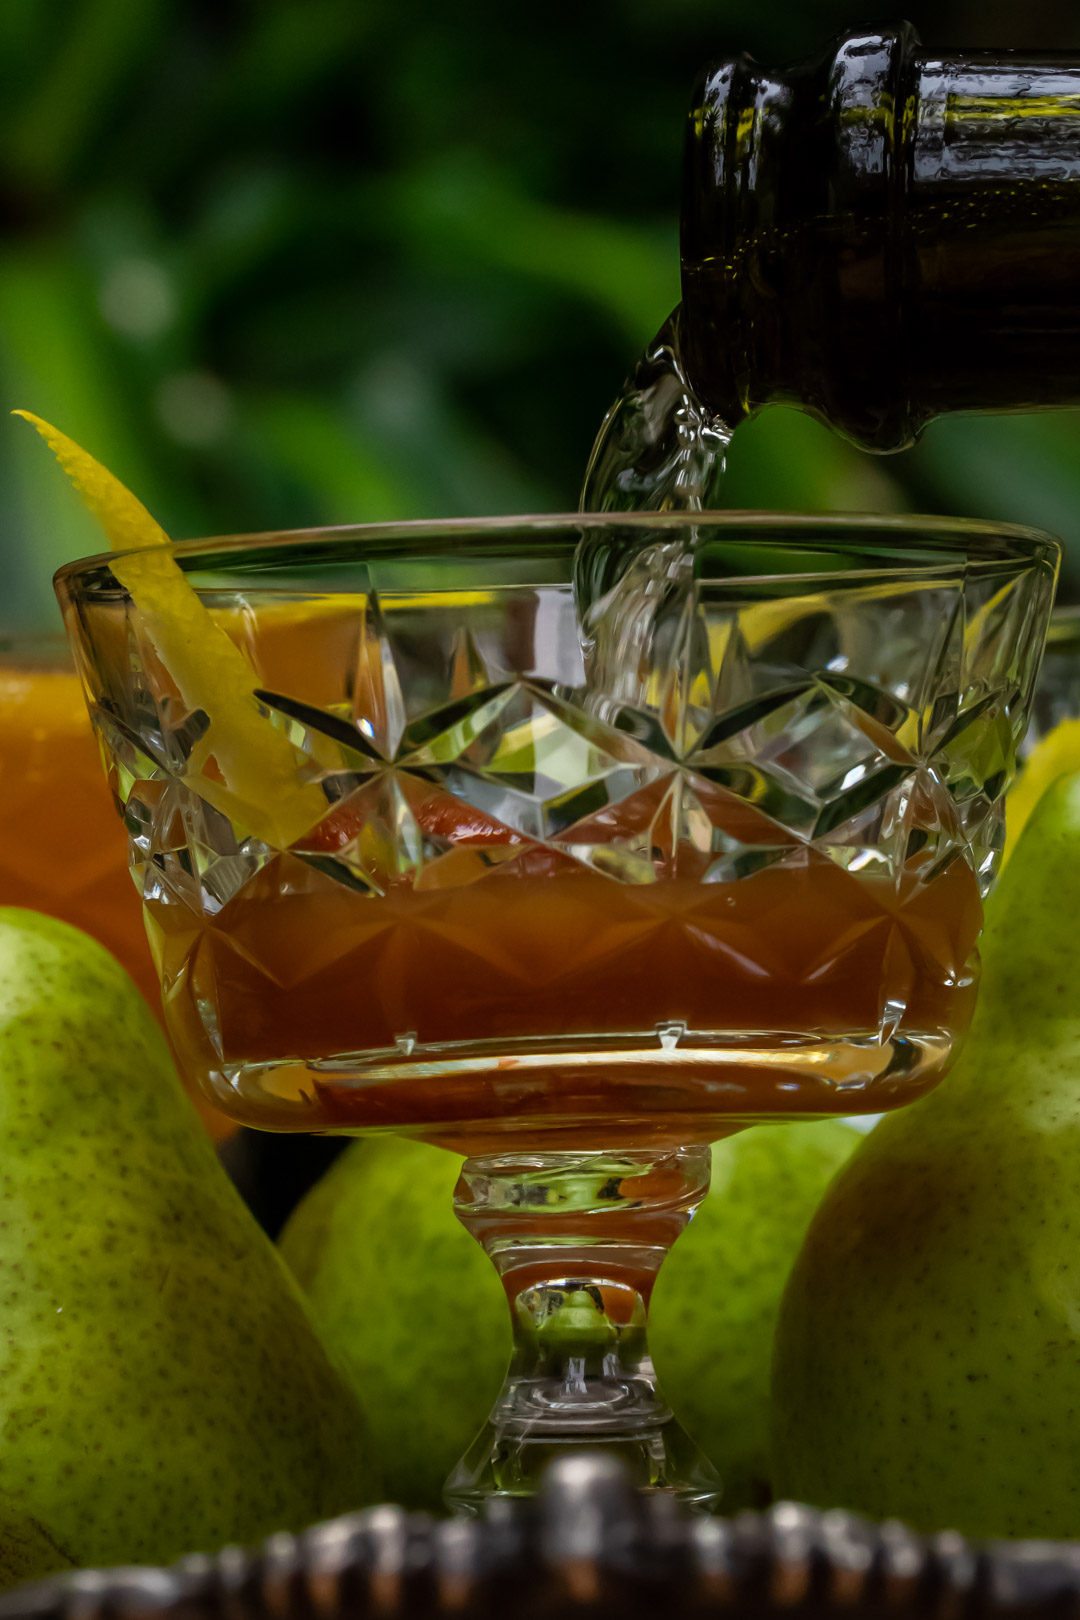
137 298
194 408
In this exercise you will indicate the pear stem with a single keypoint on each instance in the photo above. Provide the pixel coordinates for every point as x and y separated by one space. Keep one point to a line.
577 1240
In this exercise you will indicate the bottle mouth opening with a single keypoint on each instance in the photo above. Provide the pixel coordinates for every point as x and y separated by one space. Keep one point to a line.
738 122
795 189
730 103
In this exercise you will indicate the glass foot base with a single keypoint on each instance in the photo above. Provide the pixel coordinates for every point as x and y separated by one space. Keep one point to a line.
511 1454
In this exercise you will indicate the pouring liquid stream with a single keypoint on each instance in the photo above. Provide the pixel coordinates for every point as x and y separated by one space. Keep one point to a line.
659 449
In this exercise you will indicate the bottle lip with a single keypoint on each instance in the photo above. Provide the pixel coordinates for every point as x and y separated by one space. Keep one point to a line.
736 102
776 164
711 187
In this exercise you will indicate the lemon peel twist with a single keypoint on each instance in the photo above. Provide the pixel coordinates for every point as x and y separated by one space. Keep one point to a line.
263 789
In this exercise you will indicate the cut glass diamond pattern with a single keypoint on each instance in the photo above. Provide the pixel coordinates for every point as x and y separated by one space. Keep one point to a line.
468 672
378 703
536 763
473 727
453 759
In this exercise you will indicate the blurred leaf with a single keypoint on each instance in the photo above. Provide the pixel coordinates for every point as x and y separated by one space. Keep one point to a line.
289 47
54 360
97 47
248 212
22 33
464 207
317 447
784 461
1016 468
453 467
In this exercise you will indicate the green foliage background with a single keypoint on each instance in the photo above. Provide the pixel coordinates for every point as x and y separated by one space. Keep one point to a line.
300 261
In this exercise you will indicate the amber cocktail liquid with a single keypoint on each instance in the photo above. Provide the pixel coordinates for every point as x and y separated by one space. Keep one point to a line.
445 992
573 844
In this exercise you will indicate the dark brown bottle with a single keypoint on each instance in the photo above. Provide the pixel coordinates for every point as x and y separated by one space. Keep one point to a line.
881 236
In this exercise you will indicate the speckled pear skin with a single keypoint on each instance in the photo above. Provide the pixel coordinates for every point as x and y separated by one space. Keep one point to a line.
928 1351
716 1299
162 1388
408 1301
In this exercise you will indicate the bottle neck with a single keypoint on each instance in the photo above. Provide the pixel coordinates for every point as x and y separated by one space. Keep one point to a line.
878 237
991 235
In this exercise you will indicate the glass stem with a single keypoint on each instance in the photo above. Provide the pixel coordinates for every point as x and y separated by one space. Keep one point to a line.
577 1240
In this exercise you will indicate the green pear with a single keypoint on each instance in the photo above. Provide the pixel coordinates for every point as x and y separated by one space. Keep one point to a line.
415 1310
716 1299
928 1351
409 1303
162 1388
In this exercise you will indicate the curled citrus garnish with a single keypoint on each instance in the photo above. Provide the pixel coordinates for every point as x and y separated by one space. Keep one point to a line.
262 785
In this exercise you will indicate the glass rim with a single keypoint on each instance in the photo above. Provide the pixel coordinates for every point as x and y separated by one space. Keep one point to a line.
985 540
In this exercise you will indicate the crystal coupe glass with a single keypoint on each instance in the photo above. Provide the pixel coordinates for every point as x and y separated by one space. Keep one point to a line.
434 834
